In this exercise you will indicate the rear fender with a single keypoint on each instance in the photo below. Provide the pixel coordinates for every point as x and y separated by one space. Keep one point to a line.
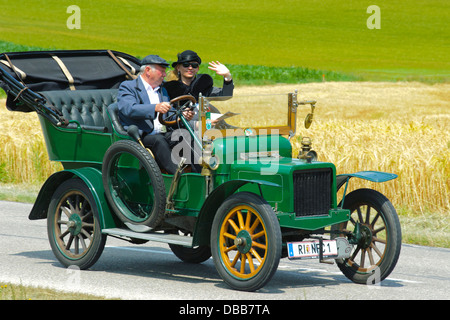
91 177
212 203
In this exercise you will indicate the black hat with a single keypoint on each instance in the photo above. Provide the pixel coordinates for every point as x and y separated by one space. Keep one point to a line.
187 56
154 59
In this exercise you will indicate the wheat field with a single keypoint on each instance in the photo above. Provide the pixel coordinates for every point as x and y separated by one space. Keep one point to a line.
400 127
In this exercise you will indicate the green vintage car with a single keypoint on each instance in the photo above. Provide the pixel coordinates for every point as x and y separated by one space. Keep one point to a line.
253 203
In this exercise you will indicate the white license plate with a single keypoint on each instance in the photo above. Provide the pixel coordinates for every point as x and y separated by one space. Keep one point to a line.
310 249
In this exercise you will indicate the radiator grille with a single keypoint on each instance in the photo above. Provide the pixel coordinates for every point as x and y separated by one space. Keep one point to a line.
312 192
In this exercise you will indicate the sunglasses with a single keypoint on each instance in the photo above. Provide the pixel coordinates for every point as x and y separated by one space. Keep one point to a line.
192 64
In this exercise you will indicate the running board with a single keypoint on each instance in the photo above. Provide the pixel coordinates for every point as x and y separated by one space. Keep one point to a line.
151 236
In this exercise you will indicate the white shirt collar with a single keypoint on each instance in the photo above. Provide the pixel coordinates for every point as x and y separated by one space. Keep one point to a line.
147 86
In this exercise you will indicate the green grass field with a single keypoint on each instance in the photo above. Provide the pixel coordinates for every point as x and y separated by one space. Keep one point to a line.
242 74
412 43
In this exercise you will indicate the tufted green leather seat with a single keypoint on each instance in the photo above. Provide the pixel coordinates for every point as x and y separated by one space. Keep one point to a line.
87 107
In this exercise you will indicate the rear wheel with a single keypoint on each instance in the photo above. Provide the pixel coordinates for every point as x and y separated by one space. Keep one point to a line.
73 225
378 249
246 241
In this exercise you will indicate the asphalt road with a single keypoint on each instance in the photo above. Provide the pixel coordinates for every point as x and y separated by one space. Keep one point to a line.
151 271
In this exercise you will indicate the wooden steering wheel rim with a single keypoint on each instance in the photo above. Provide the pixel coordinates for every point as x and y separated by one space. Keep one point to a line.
174 100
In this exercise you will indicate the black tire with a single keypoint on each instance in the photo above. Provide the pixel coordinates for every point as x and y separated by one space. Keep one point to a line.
133 184
246 226
188 254
73 225
191 255
376 255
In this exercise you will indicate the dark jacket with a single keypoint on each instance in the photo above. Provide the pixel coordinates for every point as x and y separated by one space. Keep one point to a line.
135 107
203 83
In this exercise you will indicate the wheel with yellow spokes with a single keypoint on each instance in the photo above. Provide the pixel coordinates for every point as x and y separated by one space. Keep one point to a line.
246 241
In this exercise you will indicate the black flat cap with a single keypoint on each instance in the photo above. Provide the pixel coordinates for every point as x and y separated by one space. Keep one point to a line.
154 59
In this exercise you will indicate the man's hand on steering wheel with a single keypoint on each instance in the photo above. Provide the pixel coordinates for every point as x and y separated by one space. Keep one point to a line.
162 107
172 119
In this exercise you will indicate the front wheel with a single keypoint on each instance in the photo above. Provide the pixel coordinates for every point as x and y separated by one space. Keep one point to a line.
246 241
378 247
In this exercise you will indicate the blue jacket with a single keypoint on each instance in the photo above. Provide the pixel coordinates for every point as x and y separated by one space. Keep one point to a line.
135 107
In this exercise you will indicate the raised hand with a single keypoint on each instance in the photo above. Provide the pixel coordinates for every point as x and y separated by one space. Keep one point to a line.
220 69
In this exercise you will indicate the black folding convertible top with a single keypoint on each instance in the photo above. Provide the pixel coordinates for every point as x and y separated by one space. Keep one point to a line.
24 74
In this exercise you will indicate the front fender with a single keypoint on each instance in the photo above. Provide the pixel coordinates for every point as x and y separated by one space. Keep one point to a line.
91 177
212 204
374 176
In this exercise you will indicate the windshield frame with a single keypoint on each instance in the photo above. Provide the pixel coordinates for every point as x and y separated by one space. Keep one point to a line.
210 134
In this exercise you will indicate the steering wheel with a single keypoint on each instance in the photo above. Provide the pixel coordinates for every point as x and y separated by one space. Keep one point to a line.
173 116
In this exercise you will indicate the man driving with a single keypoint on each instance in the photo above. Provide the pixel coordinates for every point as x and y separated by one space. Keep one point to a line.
140 101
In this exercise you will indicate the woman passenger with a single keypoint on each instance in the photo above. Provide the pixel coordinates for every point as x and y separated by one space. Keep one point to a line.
184 78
